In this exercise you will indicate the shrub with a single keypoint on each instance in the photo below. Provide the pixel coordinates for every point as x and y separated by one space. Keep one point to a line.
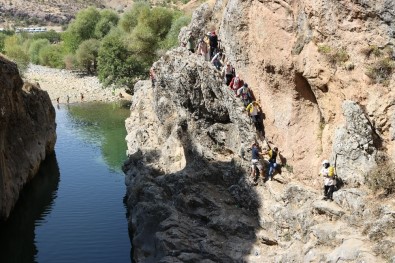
108 20
70 61
52 36
52 56
371 50
87 54
34 49
15 51
334 56
381 71
382 178
2 39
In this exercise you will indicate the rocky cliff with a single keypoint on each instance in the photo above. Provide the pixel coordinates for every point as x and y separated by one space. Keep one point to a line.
322 72
27 133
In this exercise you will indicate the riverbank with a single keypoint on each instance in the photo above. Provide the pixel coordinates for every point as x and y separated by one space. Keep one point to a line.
60 83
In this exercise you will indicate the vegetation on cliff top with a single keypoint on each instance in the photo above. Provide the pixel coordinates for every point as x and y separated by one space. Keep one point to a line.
119 49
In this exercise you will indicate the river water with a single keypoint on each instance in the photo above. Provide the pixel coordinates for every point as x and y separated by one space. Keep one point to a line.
73 210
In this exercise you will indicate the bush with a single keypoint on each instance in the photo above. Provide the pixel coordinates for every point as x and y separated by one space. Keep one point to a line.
130 19
87 54
52 56
34 49
70 61
108 20
382 178
371 50
2 39
15 51
381 71
334 56
82 28
52 36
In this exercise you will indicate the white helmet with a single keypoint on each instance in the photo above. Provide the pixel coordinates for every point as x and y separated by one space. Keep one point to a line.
325 162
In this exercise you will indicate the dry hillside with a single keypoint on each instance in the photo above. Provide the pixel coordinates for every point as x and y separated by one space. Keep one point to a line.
47 12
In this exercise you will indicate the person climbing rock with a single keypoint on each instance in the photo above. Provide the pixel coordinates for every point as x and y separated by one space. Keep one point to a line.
328 172
228 72
191 42
203 49
273 153
152 76
213 38
254 112
216 61
256 163
245 93
236 83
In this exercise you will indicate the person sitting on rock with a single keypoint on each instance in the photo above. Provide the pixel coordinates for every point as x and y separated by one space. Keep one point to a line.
236 83
328 172
256 162
273 153
228 72
217 61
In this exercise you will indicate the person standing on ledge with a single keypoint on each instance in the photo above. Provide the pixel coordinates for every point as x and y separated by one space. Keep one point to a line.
328 172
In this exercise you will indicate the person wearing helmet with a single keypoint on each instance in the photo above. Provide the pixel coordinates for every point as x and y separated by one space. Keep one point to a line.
328 172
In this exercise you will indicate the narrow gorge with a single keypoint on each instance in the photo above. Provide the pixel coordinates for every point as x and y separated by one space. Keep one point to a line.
310 67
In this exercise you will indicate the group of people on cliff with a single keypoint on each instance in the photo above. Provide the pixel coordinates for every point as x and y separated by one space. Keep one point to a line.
210 49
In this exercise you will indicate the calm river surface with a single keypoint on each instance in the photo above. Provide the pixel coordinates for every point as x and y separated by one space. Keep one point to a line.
73 210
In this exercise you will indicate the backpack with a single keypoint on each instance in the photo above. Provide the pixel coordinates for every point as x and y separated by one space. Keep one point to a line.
273 156
331 171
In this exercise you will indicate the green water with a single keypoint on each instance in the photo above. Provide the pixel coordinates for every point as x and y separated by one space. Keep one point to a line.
73 210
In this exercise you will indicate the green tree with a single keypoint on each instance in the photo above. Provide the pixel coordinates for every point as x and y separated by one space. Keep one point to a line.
15 51
108 20
87 54
116 63
34 49
51 35
129 19
52 56
159 19
171 39
82 28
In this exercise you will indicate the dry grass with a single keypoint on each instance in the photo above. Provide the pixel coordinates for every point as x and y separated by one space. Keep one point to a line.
382 178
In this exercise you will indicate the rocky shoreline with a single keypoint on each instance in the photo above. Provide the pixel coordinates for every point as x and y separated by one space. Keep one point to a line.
60 83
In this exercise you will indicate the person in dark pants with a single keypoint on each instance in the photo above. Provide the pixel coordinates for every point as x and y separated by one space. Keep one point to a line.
328 172
213 38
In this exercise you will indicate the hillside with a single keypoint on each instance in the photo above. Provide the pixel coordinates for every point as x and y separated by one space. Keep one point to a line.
47 12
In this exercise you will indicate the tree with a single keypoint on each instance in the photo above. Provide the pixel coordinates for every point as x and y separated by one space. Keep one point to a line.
82 28
116 63
159 19
34 49
14 50
171 39
51 35
52 56
129 19
87 54
108 20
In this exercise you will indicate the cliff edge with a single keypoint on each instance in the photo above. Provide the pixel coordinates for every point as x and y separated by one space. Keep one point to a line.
27 133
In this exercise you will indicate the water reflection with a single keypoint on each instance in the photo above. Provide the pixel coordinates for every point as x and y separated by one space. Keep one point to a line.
17 233
102 124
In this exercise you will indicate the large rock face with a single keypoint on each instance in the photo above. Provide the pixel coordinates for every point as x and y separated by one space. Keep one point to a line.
188 193
290 54
27 133
186 188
